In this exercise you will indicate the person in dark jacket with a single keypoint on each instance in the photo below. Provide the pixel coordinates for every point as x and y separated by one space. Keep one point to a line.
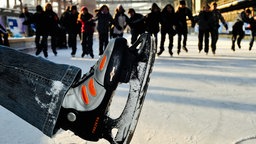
205 21
182 29
105 20
121 20
86 19
3 36
69 21
237 29
167 27
137 24
153 20
252 27
215 30
52 27
64 22
39 19
26 15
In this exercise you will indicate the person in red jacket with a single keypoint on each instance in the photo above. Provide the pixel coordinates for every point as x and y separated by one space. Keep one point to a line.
87 29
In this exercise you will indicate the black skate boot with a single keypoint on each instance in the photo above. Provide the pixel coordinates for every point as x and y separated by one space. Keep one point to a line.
85 109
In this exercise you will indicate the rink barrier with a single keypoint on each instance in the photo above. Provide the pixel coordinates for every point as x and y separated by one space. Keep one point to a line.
23 44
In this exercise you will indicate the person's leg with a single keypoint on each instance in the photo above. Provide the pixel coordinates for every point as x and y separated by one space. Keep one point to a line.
200 40
170 43
45 45
54 43
56 97
234 37
163 34
252 41
84 43
73 43
206 42
105 37
90 44
214 38
240 37
101 43
156 38
37 40
185 35
33 88
179 42
6 40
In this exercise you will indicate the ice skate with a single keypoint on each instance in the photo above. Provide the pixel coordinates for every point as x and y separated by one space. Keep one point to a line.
85 108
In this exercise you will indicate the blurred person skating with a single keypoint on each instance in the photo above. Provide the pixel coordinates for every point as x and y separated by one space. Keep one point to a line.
70 23
182 28
87 29
105 20
205 21
52 27
26 15
252 27
39 20
4 36
64 24
121 20
137 24
167 22
215 29
237 29
152 20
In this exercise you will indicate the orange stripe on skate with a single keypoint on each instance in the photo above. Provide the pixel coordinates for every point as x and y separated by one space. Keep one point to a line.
91 87
85 97
102 62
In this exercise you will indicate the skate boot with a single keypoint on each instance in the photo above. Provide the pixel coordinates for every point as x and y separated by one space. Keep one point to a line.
233 47
185 48
85 108
160 52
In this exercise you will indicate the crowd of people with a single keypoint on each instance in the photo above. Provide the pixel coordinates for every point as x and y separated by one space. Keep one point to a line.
83 23
164 21
208 21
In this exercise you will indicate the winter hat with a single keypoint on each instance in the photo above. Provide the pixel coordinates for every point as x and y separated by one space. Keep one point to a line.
120 8
39 8
73 7
248 11
131 10
182 2
84 8
154 6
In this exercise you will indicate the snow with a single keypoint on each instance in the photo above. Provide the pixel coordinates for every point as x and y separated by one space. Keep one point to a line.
57 86
192 98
